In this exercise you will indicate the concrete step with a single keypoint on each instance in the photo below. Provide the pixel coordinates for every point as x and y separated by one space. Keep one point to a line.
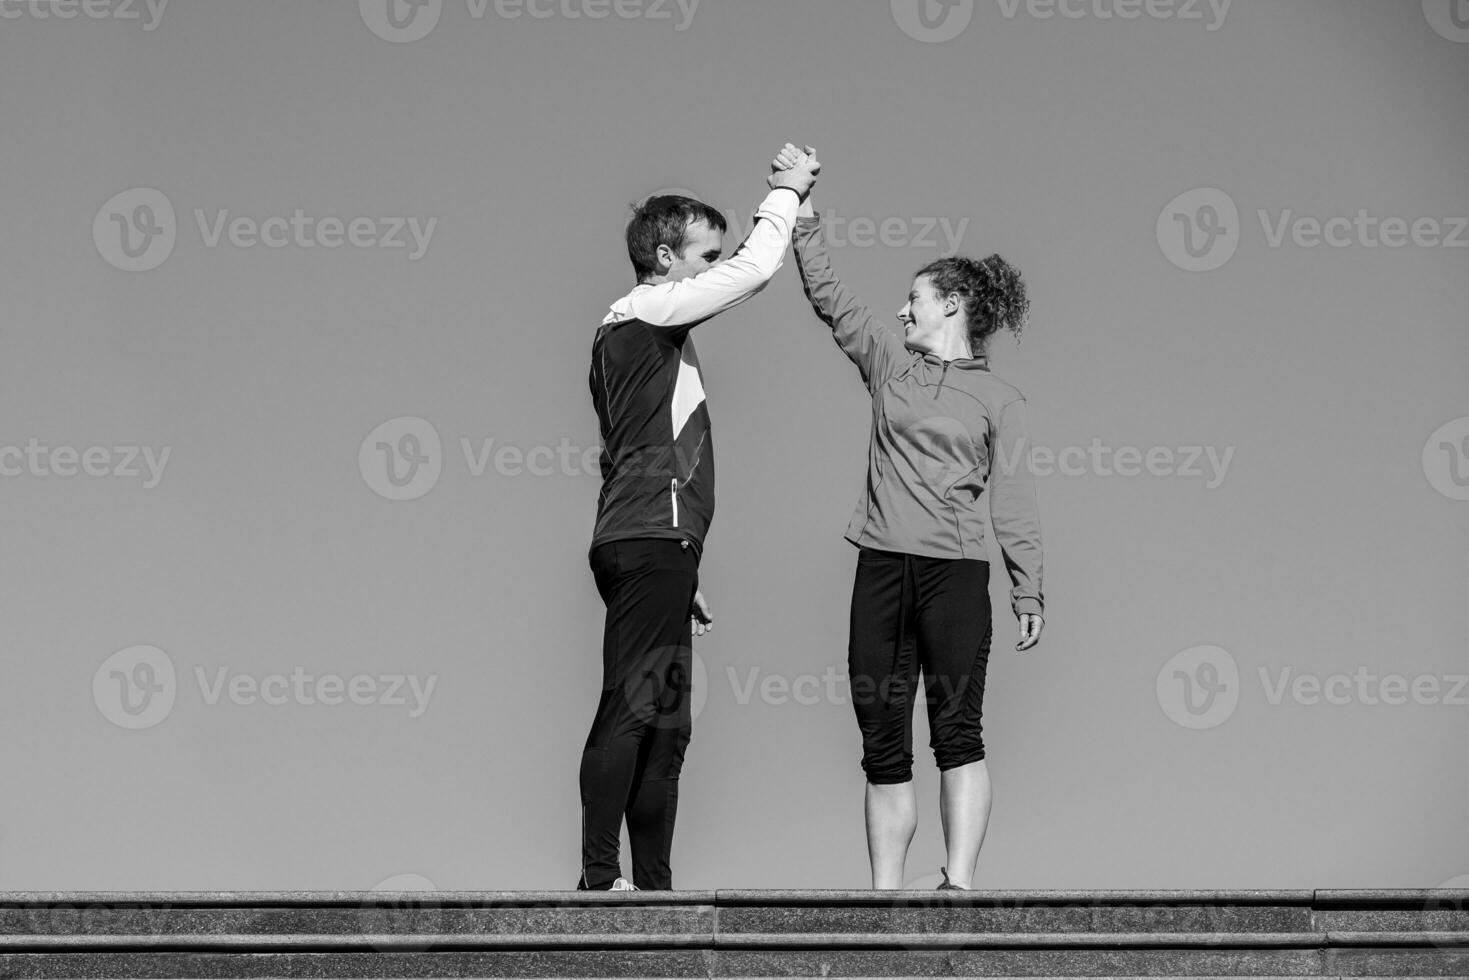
736 933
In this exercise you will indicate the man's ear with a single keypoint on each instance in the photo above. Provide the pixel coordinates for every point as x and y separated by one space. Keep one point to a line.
664 257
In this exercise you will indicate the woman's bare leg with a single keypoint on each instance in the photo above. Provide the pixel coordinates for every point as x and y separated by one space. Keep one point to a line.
964 808
892 817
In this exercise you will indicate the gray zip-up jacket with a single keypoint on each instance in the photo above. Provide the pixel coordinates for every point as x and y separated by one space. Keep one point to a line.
942 433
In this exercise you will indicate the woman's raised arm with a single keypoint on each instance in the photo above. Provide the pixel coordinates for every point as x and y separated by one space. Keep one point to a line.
871 346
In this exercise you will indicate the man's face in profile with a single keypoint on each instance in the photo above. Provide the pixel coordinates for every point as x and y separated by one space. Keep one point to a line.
702 247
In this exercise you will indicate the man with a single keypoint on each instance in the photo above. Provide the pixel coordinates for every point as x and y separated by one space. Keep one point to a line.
654 510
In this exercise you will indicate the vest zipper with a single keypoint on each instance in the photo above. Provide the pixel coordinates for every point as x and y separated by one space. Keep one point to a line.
673 493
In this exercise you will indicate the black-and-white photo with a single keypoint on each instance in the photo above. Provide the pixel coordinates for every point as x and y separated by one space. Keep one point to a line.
702 488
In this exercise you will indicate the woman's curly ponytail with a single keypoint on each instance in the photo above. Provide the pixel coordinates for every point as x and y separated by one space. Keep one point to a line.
993 291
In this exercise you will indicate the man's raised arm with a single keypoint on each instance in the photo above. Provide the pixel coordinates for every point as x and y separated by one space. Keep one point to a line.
689 302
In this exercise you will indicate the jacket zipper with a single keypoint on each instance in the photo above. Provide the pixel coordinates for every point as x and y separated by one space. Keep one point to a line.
942 376
673 493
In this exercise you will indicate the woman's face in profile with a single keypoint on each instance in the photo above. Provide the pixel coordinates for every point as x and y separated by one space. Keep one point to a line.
924 317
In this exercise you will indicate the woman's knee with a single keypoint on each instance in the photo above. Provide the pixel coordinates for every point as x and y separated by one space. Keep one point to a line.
953 752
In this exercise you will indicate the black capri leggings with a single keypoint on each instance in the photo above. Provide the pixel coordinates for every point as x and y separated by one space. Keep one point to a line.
911 613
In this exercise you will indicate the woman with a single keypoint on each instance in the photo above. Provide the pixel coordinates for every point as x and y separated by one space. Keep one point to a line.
941 421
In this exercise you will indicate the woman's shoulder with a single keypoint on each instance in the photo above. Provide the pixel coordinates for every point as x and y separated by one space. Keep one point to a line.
989 385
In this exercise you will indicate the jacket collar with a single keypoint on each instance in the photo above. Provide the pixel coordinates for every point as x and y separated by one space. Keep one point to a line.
980 363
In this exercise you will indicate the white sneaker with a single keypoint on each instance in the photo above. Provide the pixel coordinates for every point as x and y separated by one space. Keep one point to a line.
623 885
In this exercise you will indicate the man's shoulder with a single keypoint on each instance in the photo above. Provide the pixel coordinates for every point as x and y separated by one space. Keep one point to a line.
621 310
629 340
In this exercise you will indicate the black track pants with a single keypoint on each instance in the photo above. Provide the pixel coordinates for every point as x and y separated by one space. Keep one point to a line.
633 755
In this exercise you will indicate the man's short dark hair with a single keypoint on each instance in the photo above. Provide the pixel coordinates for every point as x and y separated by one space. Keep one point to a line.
664 219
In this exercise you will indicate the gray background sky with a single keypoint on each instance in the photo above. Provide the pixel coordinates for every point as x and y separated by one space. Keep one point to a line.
1332 544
